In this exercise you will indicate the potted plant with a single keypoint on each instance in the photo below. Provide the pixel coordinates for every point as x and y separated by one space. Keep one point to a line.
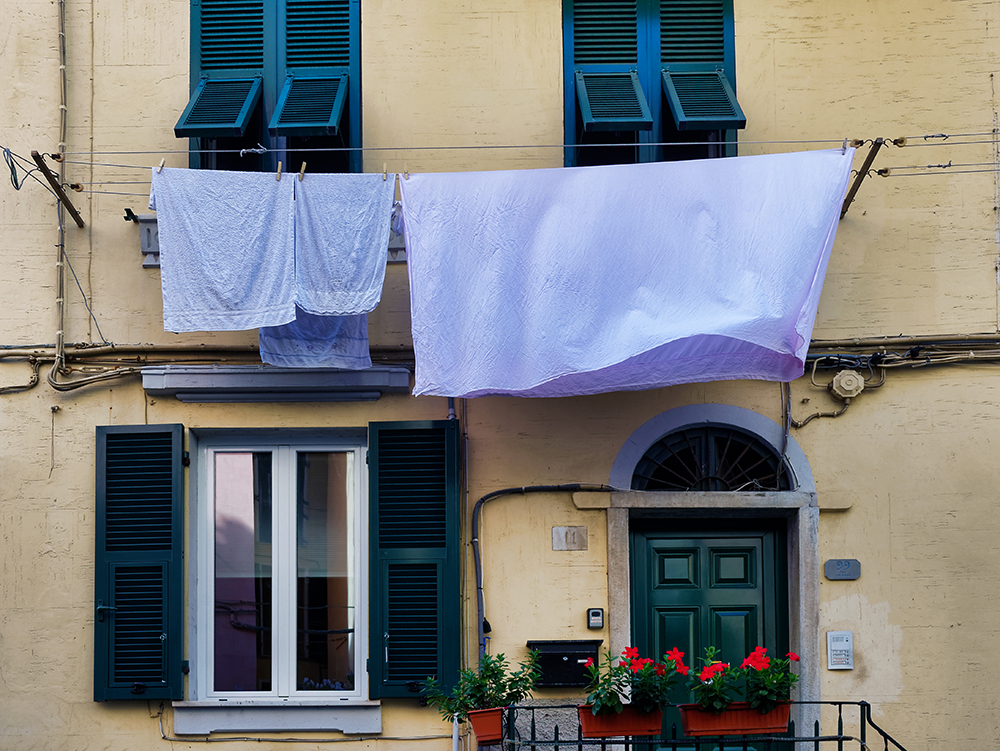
768 682
480 695
627 693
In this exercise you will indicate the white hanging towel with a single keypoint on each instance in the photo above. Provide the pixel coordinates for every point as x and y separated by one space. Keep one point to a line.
317 342
226 249
341 237
560 282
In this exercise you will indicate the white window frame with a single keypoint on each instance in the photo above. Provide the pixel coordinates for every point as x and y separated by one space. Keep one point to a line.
284 448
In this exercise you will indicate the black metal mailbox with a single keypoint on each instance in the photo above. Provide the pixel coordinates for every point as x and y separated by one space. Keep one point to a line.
562 662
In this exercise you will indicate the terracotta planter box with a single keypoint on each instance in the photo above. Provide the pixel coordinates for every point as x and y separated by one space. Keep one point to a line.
487 725
629 722
738 719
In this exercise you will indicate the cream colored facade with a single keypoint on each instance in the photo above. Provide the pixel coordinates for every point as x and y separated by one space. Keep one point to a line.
905 480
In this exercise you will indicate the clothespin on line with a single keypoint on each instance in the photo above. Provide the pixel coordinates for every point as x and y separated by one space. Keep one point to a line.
385 172
278 176
302 171
406 171
160 168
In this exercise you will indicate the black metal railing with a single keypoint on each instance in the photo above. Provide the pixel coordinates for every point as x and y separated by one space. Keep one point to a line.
543 727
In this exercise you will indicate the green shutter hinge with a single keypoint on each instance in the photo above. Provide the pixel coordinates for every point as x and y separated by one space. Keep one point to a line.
185 459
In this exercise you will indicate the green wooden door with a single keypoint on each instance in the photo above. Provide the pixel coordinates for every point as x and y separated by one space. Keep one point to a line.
708 584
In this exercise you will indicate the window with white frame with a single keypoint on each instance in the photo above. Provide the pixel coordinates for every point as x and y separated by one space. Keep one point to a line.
281 571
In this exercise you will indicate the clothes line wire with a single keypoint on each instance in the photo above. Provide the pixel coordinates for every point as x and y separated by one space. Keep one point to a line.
479 147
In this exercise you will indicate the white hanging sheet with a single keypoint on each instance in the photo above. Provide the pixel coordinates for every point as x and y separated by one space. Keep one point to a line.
560 282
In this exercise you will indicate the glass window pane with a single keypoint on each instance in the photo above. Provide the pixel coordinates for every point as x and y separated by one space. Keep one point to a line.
325 641
242 635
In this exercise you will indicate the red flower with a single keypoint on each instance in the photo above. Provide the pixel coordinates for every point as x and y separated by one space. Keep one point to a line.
677 657
792 656
710 671
630 652
589 663
660 668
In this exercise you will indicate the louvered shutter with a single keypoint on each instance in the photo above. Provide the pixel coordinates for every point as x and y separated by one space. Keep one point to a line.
698 66
606 54
139 568
415 597
320 50
227 65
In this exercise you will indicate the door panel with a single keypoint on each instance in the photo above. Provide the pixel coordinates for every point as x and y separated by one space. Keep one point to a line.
705 584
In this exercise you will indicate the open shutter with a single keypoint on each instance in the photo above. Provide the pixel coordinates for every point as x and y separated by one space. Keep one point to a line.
139 580
319 51
702 101
415 598
698 59
227 65
612 101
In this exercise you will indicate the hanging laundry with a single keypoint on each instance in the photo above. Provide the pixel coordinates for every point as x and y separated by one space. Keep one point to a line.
304 261
226 249
559 282
317 342
341 241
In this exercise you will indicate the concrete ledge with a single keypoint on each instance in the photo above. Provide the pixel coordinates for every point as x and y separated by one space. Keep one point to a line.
592 500
202 718
265 383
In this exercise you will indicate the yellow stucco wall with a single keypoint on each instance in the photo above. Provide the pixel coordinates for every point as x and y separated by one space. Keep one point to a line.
906 476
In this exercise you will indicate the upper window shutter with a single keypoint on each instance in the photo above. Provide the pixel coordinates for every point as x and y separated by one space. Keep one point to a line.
139 604
606 53
697 55
415 597
227 62
319 49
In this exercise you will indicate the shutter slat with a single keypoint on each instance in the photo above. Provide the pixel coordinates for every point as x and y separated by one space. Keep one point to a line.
231 34
219 107
605 31
310 106
692 31
317 33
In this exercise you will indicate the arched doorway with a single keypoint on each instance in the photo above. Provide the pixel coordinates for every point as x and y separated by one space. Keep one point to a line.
715 540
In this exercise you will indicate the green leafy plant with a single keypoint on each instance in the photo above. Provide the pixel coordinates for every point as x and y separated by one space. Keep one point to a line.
714 685
630 679
769 680
494 684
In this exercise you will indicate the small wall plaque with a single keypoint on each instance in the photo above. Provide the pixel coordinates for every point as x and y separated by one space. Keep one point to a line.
842 568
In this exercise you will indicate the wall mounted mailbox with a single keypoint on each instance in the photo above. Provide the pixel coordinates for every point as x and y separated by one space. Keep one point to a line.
562 662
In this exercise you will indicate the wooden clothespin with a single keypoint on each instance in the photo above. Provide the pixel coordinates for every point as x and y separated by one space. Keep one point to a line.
302 171
385 172
278 177
406 171
160 168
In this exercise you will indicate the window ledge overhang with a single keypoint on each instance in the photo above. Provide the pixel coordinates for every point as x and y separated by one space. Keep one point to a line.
203 717
265 383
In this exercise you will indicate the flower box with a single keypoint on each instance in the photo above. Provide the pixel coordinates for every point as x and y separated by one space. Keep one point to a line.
738 719
487 725
628 722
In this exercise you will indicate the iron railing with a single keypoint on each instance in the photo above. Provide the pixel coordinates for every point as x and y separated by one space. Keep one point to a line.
541 727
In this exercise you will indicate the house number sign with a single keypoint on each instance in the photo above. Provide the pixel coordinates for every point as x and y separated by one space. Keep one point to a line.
842 568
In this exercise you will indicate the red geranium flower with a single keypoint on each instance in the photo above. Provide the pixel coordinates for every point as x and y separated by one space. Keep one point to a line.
589 662
792 656
630 652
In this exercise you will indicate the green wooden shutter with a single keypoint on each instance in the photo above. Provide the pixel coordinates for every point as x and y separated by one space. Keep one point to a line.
698 60
139 604
320 50
227 65
702 101
612 101
415 555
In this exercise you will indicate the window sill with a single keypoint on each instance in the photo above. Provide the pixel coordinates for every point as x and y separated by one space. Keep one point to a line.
203 717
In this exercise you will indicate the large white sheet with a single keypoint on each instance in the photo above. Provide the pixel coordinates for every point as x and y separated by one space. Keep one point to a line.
560 282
